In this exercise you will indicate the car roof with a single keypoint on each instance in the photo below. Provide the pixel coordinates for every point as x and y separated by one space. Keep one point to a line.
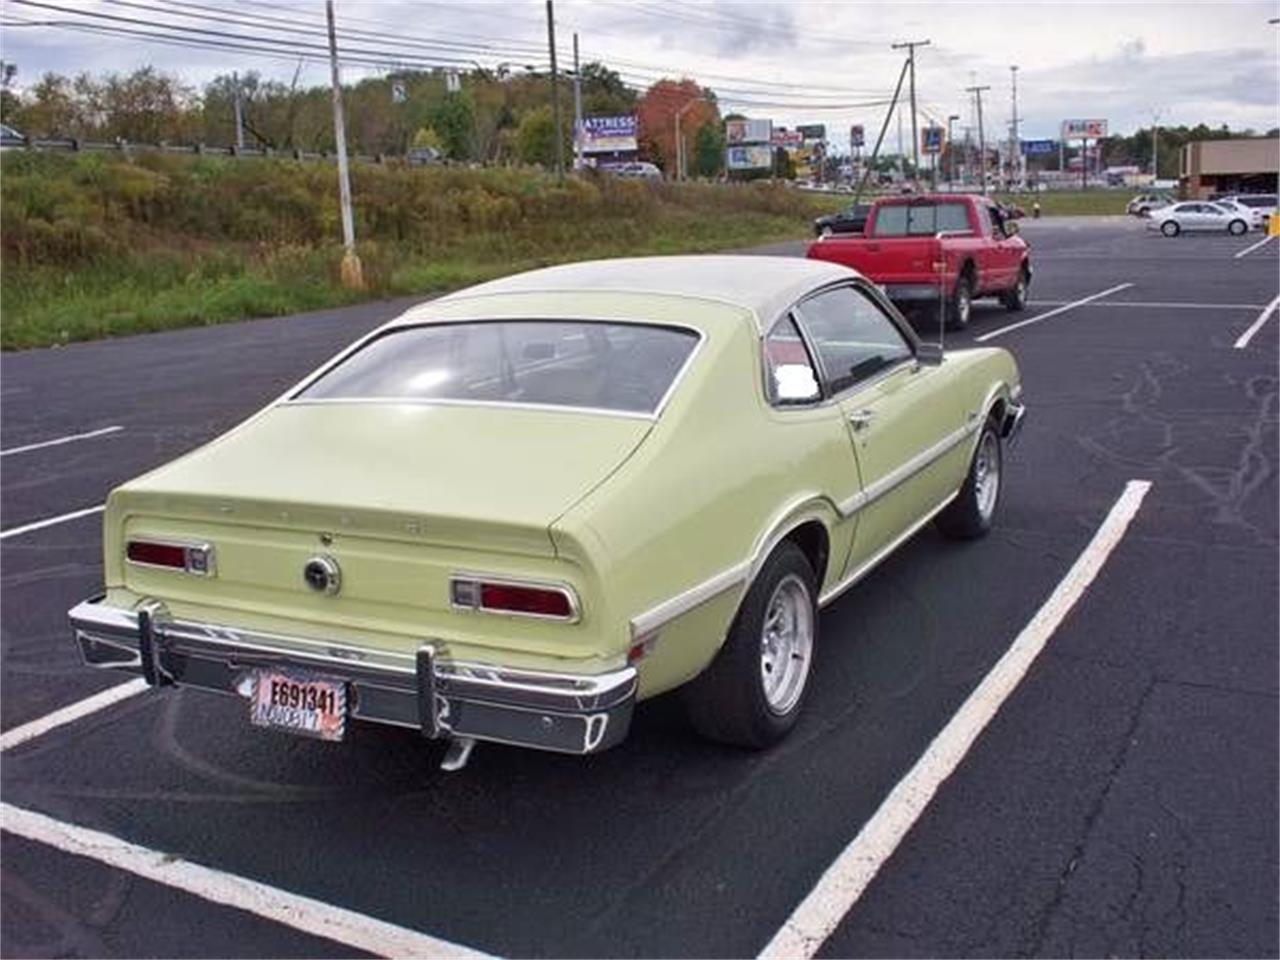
763 285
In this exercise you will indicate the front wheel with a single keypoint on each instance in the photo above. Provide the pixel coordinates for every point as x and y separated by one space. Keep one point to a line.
961 306
1015 299
971 513
752 692
1237 227
1169 228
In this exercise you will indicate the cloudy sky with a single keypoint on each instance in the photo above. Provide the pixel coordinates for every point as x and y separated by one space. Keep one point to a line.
797 62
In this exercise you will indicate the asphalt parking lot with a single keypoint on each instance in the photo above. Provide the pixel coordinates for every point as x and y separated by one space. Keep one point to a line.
1123 801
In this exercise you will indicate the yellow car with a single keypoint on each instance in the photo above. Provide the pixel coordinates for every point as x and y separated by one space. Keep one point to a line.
512 512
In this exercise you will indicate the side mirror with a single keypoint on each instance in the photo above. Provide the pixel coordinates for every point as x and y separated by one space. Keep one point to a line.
929 354
795 383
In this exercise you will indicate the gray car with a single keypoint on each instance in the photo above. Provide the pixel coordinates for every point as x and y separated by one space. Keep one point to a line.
1196 215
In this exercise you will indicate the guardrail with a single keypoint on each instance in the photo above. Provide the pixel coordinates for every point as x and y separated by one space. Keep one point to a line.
125 147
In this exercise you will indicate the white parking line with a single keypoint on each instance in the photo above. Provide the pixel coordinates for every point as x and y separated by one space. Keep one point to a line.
1052 313
301 913
1160 305
1254 246
71 713
72 438
1257 324
50 521
840 887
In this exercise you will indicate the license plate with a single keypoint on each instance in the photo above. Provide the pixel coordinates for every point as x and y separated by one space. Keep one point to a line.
298 702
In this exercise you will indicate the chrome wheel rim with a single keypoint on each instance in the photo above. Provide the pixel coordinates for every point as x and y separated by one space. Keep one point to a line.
786 644
986 475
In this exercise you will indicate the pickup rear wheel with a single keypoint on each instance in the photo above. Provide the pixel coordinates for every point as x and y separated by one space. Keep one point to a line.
961 305
971 513
752 692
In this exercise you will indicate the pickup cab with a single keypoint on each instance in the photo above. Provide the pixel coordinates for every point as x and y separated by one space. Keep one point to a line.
924 249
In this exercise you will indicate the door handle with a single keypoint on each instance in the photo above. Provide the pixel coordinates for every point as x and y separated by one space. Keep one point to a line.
861 418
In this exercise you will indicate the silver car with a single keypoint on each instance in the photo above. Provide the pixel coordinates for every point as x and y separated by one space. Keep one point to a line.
1197 215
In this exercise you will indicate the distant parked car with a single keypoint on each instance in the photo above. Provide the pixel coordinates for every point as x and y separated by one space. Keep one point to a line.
1259 206
424 157
1197 215
850 220
636 170
1144 203
10 138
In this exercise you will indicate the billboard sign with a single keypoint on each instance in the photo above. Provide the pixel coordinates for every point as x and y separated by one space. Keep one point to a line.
756 156
1083 129
609 134
783 137
748 131
813 131
1039 148
931 140
857 136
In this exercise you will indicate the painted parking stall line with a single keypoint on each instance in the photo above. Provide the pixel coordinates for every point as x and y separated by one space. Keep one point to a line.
1052 313
1254 246
71 438
290 909
1159 305
844 882
71 713
1243 340
51 521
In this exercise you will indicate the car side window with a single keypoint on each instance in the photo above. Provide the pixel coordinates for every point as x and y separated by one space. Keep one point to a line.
792 378
853 337
984 220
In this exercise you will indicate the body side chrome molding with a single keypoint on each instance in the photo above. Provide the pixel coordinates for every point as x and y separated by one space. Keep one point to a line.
658 616
905 471
882 553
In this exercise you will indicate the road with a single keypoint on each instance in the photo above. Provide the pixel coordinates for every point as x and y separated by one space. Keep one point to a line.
1122 801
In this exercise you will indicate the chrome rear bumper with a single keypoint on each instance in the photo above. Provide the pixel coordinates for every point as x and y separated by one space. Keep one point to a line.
565 712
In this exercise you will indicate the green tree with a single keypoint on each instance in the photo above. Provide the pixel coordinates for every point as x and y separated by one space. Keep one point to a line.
536 137
454 120
708 150
427 137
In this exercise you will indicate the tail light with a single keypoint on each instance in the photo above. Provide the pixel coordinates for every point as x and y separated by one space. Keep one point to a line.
549 601
194 558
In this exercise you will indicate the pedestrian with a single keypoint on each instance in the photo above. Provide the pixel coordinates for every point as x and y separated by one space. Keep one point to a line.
1035 209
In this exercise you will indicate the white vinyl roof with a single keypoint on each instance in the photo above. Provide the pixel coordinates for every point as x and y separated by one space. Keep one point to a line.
762 284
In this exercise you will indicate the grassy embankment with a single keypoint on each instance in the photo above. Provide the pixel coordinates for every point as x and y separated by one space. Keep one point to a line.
1073 203
97 246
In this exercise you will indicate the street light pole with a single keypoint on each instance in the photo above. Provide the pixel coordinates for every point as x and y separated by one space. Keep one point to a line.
951 153
1015 153
352 275
577 107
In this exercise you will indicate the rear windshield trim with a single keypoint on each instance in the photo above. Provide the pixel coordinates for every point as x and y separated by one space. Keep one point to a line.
293 396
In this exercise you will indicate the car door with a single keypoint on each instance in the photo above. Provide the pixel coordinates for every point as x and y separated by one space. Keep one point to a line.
897 423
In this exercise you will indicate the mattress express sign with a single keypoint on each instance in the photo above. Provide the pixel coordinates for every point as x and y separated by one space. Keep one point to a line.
609 134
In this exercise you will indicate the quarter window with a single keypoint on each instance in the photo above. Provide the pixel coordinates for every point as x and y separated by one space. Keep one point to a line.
853 337
792 378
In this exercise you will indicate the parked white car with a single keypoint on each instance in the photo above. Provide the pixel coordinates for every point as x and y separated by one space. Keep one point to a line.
1196 215
1259 206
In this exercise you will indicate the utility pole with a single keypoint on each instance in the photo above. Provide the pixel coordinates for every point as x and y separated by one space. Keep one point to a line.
239 110
681 172
1155 145
951 152
555 93
910 47
577 106
352 275
1015 151
902 153
866 169
982 141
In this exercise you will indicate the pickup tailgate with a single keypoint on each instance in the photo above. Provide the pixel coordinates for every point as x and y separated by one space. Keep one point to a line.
884 260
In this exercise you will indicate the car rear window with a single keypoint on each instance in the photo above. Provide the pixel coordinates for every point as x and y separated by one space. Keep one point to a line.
920 219
621 367
1258 200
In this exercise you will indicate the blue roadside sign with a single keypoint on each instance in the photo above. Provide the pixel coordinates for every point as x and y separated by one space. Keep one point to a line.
1036 148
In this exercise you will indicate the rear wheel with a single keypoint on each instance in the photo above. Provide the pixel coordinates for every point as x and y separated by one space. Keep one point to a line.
1237 227
752 692
961 306
971 513
1015 299
1170 228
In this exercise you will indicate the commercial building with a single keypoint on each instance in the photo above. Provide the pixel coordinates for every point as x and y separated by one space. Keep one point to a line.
1213 167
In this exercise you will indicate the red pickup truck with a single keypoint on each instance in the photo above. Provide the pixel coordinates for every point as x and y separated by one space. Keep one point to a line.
950 246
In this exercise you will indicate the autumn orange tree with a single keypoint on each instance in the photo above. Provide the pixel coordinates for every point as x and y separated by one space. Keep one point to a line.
656 115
